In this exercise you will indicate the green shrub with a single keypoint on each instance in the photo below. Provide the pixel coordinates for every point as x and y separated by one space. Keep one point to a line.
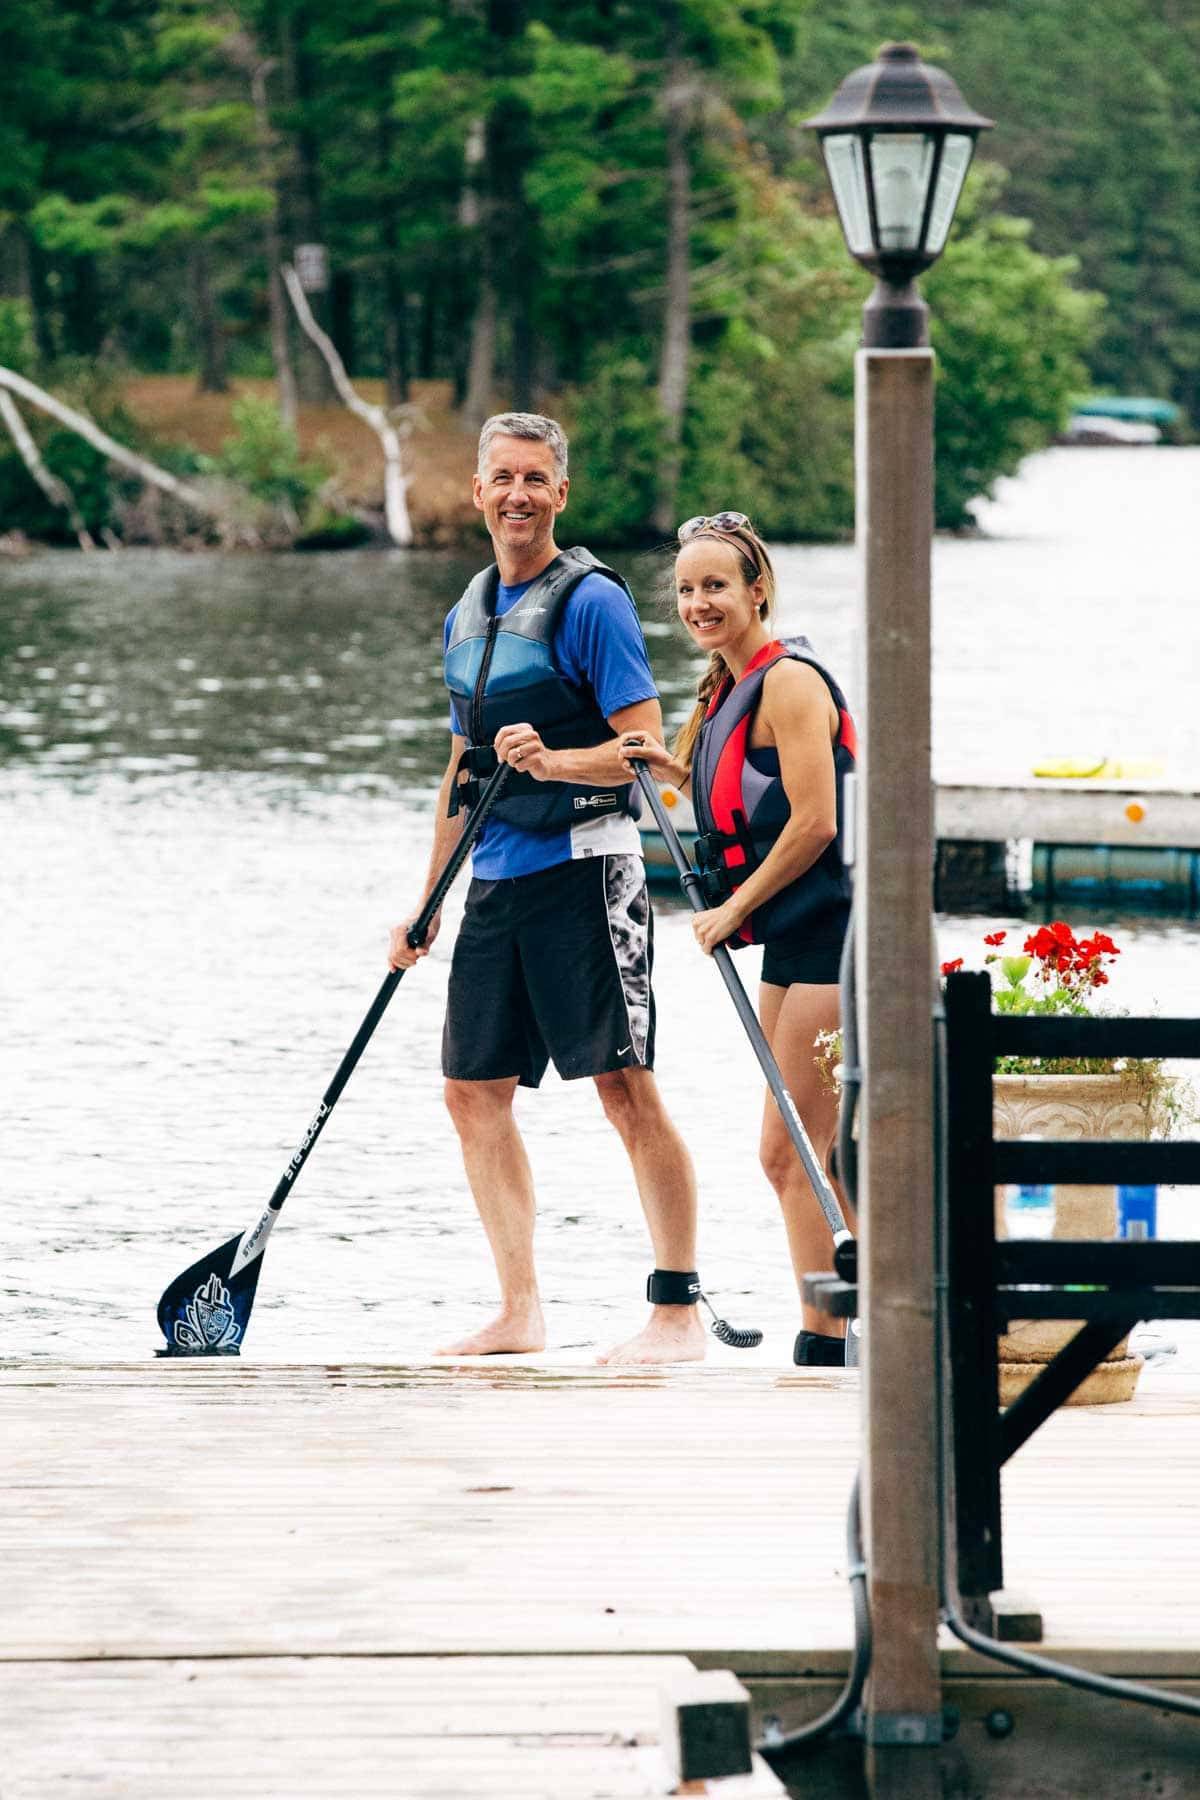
264 457
96 485
326 529
616 445
18 350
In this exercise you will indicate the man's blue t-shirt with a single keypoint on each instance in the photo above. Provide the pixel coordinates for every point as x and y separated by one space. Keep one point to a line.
598 642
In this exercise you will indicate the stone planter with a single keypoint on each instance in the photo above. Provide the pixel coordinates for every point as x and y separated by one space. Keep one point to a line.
1067 1106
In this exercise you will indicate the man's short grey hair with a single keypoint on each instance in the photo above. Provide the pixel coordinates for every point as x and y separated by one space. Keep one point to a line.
526 425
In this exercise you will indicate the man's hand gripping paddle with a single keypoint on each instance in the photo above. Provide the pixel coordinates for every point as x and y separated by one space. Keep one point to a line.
827 1200
205 1310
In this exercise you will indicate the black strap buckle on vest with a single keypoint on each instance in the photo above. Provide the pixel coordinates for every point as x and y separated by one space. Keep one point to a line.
715 882
716 879
476 763
673 1287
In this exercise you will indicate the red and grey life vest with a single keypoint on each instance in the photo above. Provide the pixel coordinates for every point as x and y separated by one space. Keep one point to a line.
740 811
501 671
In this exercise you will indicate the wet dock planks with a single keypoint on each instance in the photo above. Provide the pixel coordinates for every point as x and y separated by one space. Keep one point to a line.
409 1728
467 1575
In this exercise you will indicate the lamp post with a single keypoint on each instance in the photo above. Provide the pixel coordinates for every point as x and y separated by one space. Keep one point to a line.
897 139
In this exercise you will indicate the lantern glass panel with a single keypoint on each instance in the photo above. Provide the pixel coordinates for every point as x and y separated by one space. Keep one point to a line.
848 179
901 163
956 159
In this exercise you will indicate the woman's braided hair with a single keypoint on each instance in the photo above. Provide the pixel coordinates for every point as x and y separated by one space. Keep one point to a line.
754 563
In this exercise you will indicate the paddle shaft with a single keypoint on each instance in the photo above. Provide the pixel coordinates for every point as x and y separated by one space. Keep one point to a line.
418 931
690 883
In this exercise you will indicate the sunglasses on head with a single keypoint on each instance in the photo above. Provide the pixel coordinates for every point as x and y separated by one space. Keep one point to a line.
722 521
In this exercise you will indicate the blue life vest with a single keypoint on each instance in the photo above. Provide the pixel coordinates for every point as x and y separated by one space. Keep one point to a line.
500 670
740 811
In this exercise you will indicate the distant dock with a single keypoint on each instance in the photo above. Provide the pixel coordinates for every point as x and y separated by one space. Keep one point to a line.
1134 815
1108 843
1111 843
461 1581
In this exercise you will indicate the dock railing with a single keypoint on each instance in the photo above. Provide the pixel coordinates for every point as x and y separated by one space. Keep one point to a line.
1109 1286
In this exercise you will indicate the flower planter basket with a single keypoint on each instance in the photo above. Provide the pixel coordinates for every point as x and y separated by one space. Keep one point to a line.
1074 1107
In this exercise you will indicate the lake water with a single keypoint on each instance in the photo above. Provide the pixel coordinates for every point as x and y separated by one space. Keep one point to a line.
216 783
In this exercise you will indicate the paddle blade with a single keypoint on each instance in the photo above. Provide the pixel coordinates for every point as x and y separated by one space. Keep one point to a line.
205 1310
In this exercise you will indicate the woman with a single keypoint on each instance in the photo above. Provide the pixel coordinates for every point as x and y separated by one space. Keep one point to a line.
763 754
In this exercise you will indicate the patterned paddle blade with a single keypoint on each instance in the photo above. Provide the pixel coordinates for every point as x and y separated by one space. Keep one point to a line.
205 1310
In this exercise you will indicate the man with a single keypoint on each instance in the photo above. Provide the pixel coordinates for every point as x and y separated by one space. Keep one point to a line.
546 664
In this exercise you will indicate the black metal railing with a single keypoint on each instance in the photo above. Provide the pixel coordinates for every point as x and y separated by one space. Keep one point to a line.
1108 1286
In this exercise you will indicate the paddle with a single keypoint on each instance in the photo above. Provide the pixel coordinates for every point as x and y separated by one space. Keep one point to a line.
827 1200
205 1311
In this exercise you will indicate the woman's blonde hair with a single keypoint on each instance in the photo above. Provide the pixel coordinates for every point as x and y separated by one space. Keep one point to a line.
755 565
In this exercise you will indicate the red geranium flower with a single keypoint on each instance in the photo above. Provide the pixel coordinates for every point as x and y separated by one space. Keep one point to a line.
1060 968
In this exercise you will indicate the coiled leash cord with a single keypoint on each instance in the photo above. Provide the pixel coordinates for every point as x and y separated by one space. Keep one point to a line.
681 1287
740 1337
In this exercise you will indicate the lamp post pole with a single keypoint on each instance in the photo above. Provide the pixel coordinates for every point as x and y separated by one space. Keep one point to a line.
897 139
894 949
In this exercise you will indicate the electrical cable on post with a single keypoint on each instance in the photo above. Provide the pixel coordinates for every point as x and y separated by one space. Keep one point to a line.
775 1747
1110 1686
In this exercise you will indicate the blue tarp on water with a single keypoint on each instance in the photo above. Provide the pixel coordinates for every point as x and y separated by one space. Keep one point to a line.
1129 406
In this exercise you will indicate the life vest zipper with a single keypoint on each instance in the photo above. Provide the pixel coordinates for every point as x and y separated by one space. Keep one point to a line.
485 664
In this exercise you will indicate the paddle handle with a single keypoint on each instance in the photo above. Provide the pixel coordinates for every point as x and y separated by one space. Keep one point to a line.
690 883
418 931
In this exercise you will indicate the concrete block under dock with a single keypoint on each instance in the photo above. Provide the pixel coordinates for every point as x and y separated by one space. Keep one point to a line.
451 1580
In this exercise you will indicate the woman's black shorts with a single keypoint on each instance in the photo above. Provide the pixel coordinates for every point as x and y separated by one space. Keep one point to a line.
553 965
797 959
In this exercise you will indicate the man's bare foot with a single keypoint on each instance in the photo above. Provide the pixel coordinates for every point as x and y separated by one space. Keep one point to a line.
514 1328
673 1334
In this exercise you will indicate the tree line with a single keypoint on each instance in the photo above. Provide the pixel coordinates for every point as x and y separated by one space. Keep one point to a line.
603 203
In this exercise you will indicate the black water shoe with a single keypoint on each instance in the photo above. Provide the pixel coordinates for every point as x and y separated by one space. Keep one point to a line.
816 1351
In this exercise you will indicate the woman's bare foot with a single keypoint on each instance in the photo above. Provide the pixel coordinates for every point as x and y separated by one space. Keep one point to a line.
513 1329
673 1334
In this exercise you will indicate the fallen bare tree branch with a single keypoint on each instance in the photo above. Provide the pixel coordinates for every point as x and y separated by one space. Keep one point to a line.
395 482
52 485
100 440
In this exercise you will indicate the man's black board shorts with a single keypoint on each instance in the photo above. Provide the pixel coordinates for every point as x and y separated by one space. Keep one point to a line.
554 965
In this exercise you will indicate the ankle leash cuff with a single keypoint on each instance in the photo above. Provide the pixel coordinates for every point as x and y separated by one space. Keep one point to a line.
673 1287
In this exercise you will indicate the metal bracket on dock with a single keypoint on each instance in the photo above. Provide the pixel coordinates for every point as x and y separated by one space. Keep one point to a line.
916 1729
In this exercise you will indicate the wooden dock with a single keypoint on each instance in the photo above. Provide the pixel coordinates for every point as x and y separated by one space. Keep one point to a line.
453 1580
1139 815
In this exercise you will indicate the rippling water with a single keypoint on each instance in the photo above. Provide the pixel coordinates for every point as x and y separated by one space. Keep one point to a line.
216 778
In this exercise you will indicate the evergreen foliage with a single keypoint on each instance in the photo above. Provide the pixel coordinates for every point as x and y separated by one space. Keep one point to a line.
495 183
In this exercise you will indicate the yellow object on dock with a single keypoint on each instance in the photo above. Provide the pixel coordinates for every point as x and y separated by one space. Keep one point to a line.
1100 768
